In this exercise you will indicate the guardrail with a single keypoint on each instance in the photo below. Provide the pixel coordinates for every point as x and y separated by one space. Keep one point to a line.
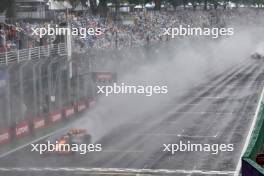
34 54
255 146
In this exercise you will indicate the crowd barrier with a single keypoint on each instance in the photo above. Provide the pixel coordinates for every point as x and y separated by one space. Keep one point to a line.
37 91
25 128
35 54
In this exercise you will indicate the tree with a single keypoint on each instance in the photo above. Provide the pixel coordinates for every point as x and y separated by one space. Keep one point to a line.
205 4
93 6
6 5
84 3
215 2
102 8
175 3
157 4
184 2
194 4
74 3
136 2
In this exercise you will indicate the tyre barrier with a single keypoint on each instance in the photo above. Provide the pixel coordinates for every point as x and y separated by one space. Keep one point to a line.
25 127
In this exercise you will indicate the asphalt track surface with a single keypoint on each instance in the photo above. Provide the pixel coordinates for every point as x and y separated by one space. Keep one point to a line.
220 111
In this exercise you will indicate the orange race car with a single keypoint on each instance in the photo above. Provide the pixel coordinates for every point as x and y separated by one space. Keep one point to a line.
63 144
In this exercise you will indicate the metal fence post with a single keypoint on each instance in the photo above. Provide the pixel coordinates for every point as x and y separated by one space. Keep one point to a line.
35 109
50 72
29 53
48 52
60 87
21 91
18 58
39 52
58 46
77 99
40 95
69 91
6 58
8 103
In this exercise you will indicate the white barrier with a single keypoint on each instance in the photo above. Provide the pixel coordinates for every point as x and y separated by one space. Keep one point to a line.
36 53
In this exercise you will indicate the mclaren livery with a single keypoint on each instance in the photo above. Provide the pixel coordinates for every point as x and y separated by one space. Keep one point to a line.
64 143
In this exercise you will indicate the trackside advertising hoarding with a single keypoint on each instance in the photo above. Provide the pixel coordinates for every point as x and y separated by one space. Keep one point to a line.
4 136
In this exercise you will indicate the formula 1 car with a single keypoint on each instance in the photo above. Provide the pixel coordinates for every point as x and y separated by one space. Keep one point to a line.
79 136
259 53
62 144
257 56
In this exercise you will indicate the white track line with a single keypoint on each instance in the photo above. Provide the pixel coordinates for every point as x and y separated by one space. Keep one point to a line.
202 112
121 151
157 134
36 140
197 136
177 135
118 170
238 167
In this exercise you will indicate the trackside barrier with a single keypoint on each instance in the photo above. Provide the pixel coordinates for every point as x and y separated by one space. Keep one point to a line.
38 123
69 112
55 116
5 136
91 103
34 54
22 129
25 128
256 145
81 106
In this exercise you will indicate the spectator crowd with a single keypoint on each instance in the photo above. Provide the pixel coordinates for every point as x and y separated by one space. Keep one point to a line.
140 28
148 27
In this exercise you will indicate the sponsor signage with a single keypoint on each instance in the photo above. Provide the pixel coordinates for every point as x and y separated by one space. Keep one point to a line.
81 107
103 76
22 129
55 117
91 103
69 112
38 123
4 136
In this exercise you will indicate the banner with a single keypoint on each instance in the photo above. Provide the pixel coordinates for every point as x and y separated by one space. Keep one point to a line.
38 123
4 136
81 106
104 76
55 117
22 129
68 112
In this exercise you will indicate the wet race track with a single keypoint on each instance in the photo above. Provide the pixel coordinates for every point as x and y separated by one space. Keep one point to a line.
218 112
